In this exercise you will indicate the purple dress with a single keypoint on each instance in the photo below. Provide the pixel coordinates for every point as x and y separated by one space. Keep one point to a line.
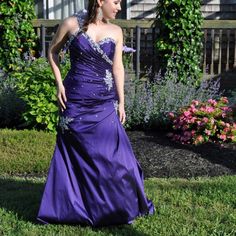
94 178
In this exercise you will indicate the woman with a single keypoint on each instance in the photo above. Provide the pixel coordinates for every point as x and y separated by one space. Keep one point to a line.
94 178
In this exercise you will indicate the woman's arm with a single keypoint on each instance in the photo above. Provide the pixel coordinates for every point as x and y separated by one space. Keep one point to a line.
60 38
119 75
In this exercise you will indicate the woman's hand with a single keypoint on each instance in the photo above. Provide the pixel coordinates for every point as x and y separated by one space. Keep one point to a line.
61 97
121 113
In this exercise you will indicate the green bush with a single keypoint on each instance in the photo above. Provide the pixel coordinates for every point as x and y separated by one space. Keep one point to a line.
36 86
179 43
232 97
17 36
11 106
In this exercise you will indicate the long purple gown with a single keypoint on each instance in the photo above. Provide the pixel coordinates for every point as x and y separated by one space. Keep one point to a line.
94 178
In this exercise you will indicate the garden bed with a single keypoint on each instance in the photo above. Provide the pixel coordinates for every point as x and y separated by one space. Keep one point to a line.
161 157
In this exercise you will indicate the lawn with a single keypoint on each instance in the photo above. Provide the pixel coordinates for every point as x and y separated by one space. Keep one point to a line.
202 206
186 207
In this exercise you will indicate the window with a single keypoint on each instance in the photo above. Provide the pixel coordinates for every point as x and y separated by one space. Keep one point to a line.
58 9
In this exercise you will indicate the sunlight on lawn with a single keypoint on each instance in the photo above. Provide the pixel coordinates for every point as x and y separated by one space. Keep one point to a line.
202 206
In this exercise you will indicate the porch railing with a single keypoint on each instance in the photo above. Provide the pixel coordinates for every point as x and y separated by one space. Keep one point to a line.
219 43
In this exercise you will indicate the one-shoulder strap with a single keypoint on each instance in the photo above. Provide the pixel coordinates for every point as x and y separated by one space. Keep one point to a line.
81 16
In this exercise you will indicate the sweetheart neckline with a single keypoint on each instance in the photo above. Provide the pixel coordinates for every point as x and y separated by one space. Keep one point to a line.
100 41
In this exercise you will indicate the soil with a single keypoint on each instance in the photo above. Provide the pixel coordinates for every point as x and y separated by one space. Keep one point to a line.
159 156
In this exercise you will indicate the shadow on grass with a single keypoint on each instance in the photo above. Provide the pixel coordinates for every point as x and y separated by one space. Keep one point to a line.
22 197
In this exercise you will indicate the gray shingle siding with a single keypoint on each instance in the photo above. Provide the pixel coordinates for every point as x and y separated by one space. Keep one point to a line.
211 9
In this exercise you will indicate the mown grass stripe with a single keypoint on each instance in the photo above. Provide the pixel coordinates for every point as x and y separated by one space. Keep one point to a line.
193 207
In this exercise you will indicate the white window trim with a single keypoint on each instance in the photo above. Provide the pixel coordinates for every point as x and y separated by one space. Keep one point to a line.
128 9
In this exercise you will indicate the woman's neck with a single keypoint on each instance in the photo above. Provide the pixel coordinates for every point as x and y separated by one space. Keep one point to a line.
101 22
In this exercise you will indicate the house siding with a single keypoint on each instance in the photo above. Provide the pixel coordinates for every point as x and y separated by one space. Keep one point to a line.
132 9
211 9
58 9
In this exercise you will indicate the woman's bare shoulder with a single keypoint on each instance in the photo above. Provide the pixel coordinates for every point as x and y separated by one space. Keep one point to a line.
71 23
115 28
116 31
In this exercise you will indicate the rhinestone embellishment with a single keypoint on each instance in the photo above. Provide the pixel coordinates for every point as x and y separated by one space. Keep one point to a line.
108 80
97 48
115 103
64 122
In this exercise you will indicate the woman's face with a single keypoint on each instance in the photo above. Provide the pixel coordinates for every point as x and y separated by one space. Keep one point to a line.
110 8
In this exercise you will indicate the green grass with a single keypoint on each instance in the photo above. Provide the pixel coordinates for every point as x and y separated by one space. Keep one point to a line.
185 207
25 151
199 207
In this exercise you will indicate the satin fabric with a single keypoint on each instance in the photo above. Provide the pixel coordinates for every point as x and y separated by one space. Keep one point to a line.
94 178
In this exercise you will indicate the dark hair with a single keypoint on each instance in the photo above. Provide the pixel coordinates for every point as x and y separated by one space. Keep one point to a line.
92 14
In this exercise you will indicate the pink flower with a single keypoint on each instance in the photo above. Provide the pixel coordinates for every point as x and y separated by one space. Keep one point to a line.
187 113
188 134
171 115
202 109
212 121
210 109
193 132
223 137
192 109
224 99
226 129
225 108
208 132
222 123
195 102
199 139
212 102
192 120
203 121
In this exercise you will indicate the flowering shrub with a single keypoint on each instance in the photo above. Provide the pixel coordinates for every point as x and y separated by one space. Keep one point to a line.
201 122
148 103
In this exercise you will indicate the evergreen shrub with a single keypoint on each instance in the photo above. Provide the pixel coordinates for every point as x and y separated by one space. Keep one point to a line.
17 35
179 42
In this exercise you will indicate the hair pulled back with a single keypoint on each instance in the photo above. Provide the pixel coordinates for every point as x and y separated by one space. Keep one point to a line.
92 14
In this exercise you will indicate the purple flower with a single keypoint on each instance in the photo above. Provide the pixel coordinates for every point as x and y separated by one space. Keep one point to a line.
128 49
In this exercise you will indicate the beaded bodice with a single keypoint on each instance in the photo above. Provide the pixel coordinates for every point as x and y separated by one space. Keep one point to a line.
90 76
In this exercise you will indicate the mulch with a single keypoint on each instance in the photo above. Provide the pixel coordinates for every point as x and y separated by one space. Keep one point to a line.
159 156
